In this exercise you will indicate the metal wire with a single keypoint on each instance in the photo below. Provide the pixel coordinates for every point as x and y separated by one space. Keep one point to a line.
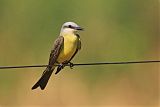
82 64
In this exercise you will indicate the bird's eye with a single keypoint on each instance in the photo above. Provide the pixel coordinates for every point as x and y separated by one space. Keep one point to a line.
70 26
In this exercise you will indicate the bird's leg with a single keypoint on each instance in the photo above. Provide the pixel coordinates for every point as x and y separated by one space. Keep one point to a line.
71 65
60 66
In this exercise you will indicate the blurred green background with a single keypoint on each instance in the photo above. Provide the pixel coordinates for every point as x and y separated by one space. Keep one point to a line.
115 30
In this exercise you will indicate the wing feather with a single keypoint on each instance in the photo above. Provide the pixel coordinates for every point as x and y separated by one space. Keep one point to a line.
58 44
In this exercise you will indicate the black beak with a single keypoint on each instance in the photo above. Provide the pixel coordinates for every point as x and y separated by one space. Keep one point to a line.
78 28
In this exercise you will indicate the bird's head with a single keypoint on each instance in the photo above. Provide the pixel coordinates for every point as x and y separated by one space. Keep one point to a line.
70 27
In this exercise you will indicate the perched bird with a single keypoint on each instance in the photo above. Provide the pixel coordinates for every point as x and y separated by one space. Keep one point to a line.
64 49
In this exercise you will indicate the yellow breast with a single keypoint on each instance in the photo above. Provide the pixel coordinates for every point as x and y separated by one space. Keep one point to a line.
69 48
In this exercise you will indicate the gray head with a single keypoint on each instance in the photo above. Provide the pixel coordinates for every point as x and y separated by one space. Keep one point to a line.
70 27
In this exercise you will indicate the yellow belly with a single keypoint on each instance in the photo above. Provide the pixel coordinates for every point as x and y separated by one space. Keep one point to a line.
68 49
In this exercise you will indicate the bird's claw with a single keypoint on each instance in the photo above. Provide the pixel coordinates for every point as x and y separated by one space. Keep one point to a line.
71 65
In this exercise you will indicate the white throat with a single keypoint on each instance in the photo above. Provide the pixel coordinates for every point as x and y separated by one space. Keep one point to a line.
67 31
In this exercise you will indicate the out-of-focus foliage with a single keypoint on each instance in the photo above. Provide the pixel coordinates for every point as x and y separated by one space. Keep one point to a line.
115 30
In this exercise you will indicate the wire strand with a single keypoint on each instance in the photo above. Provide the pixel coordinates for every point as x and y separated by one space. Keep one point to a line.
82 64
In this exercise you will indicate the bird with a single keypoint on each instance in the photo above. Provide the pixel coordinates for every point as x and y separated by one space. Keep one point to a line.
65 47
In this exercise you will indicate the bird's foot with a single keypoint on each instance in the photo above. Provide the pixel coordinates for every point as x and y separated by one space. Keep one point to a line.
71 65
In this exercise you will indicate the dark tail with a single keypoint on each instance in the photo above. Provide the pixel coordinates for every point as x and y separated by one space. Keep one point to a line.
42 82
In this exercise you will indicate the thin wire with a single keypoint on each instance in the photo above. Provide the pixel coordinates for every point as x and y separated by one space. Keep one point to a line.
82 64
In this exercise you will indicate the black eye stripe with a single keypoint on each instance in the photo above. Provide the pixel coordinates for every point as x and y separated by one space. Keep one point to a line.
69 26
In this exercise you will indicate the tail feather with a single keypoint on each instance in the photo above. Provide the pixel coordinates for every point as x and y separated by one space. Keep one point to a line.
42 82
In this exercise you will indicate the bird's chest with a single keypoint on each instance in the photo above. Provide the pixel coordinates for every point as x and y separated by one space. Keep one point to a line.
68 49
70 43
